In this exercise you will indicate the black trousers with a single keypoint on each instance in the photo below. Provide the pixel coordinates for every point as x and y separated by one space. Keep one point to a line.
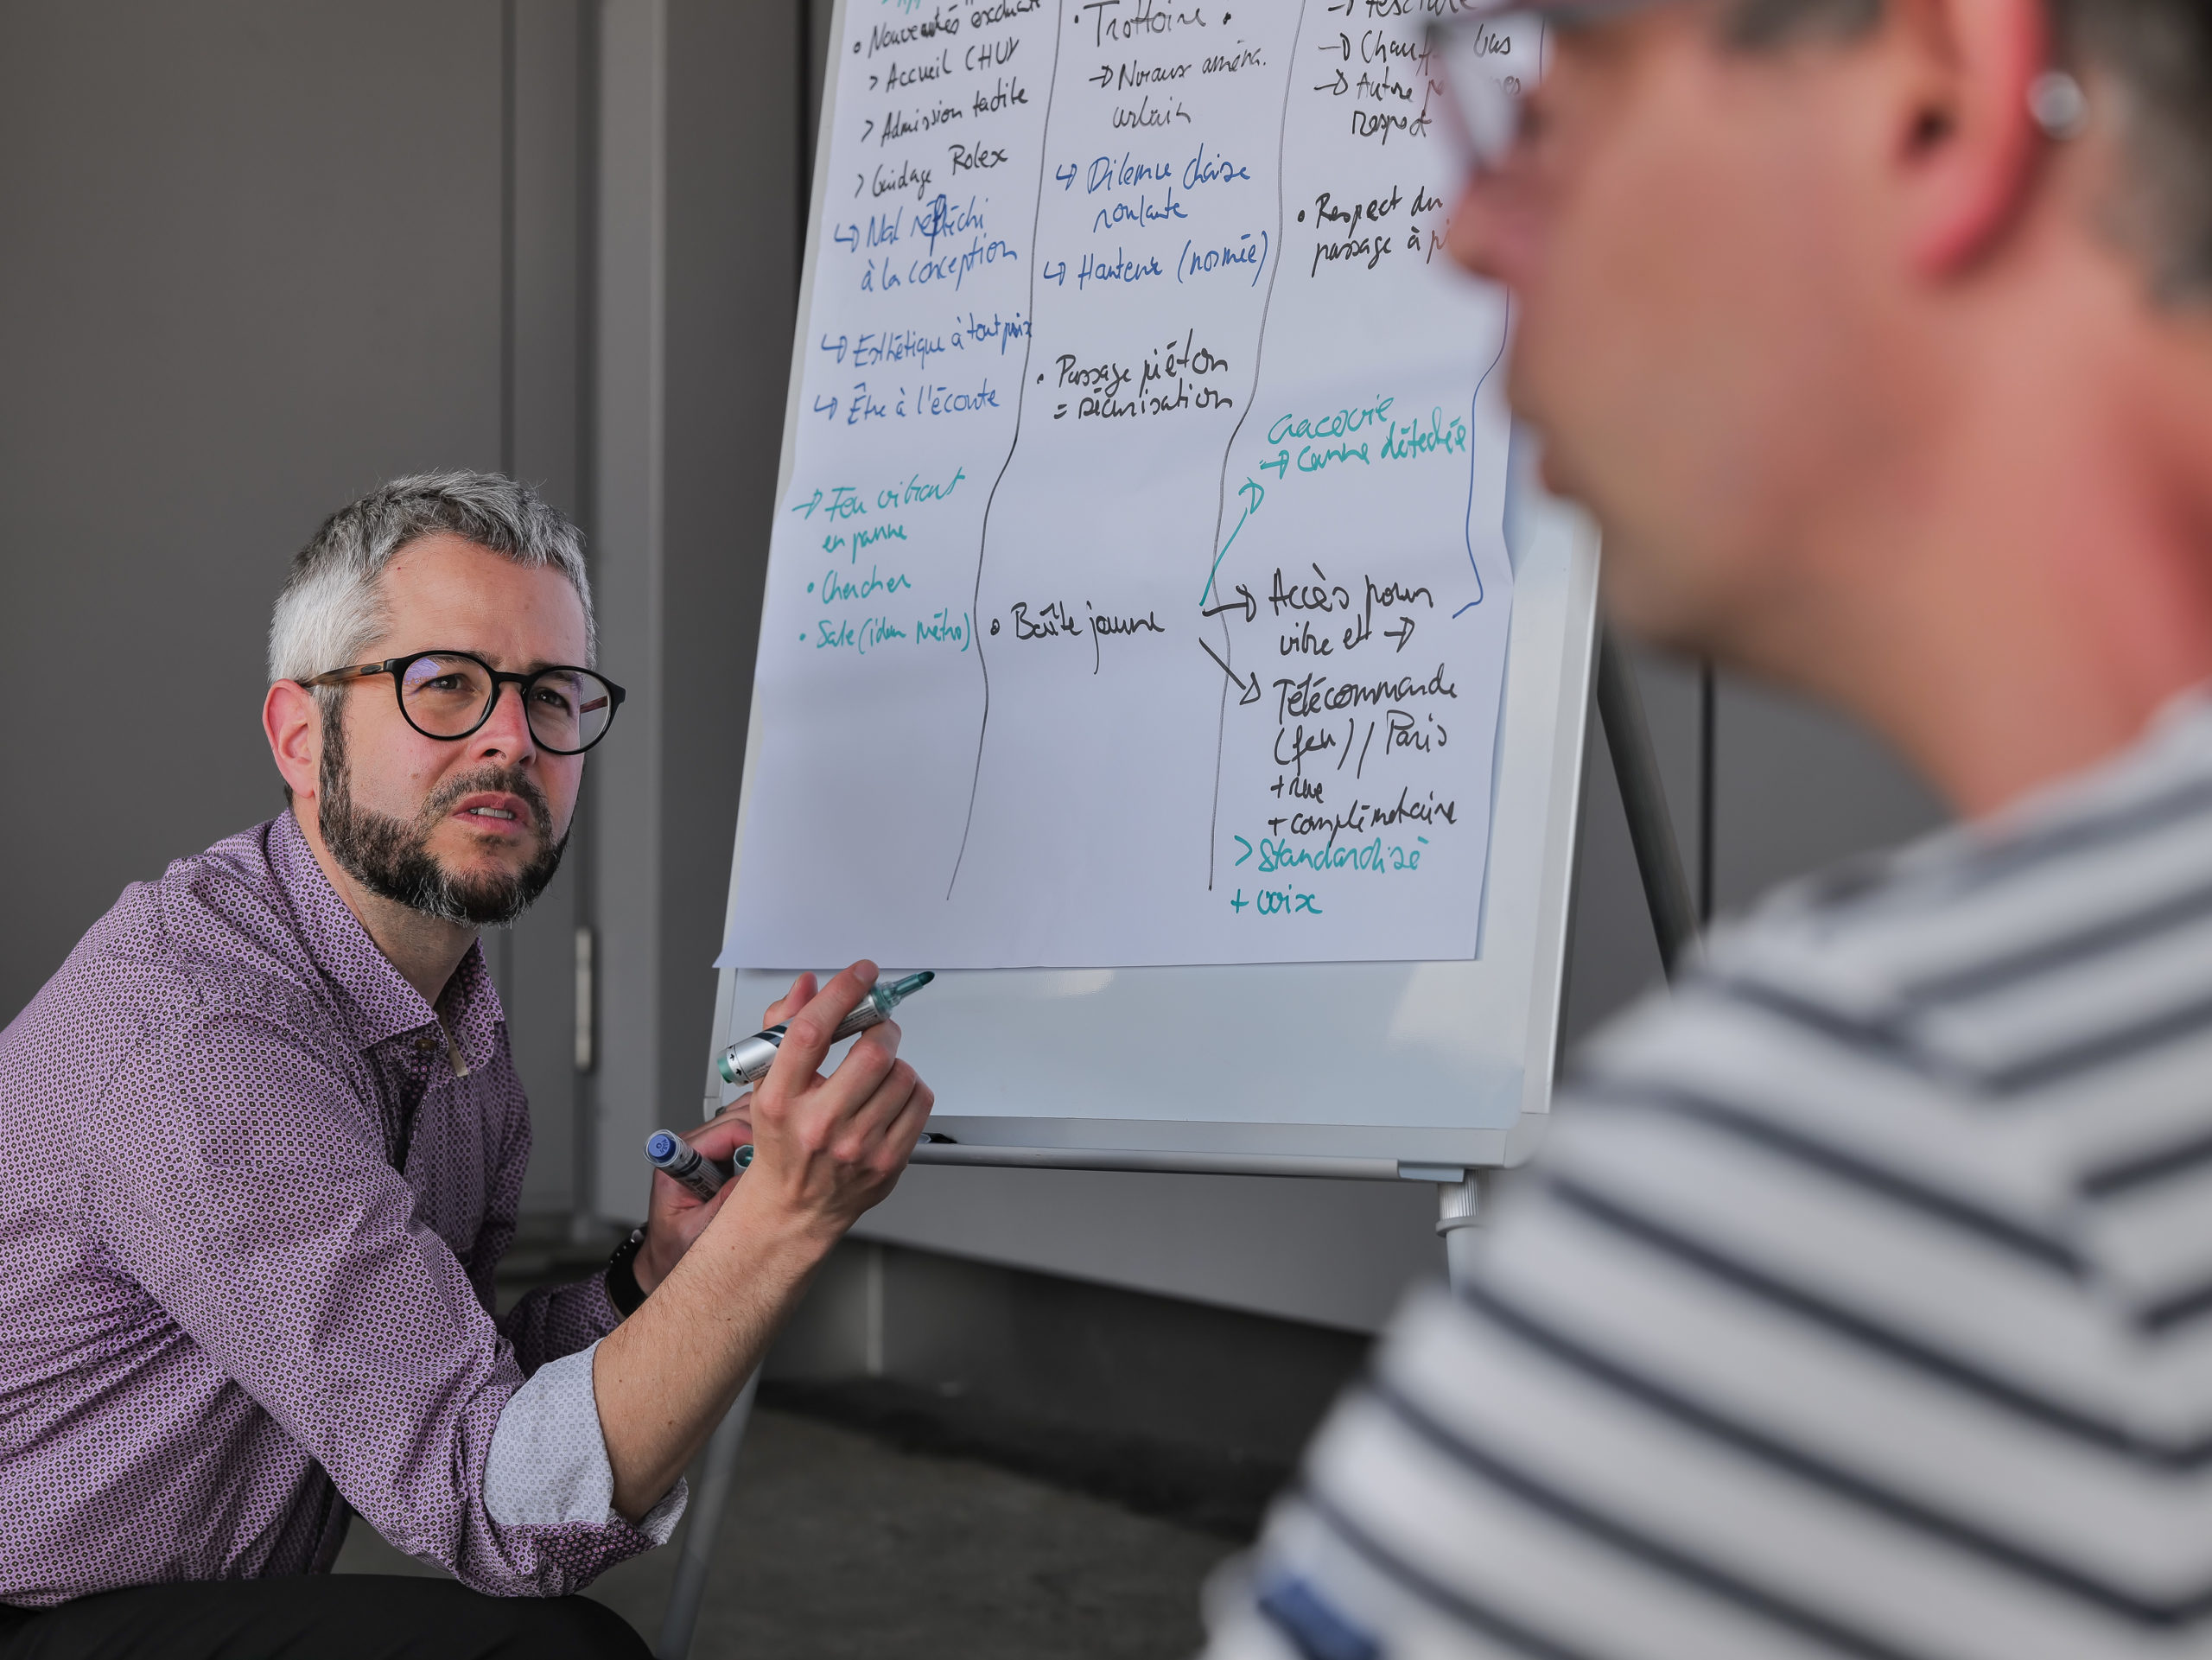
317 1617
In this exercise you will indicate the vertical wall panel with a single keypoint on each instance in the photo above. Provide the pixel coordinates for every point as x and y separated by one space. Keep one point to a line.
733 229
626 773
701 116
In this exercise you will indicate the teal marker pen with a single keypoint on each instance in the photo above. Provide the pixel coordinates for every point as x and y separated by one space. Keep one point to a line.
748 1062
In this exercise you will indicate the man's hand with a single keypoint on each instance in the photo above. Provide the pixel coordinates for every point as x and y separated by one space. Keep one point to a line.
725 1272
676 1216
827 1148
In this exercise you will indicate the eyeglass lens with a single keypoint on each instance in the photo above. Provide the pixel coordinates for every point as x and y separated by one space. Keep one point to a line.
447 696
1487 67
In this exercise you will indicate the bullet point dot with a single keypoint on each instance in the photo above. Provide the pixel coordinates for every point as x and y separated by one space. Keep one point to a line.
1301 216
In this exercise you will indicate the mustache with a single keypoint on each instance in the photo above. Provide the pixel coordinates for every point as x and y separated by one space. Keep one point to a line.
505 780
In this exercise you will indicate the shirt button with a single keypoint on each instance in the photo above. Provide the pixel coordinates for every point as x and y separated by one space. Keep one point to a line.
426 1043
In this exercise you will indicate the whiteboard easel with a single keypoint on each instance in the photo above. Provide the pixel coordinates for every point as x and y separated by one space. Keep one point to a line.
1245 1071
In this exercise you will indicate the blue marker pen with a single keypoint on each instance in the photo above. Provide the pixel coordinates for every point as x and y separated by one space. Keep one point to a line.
669 1152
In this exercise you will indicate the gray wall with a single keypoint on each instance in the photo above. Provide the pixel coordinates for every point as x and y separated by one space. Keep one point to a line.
263 255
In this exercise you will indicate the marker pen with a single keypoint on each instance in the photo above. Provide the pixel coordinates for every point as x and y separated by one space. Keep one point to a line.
748 1062
667 1151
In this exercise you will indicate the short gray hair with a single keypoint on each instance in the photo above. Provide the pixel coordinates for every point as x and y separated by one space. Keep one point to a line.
332 604
2155 56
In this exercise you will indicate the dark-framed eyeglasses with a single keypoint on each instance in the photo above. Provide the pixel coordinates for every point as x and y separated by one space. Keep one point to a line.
1490 55
449 695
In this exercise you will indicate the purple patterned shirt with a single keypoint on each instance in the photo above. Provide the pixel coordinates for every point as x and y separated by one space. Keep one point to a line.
253 1198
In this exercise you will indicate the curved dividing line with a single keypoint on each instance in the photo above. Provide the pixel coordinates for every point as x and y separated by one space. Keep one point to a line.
1221 486
1021 400
1467 528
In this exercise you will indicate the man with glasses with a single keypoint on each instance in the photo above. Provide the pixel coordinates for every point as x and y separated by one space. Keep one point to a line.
265 1144
1861 1302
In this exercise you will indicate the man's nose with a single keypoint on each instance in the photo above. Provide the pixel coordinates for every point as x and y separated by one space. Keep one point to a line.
1490 233
505 731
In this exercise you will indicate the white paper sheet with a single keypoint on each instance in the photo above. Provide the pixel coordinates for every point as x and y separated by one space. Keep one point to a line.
1141 595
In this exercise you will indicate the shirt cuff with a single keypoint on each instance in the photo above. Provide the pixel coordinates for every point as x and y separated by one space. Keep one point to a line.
547 1466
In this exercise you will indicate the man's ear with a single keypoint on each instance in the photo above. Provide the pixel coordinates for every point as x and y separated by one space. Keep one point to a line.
1966 149
294 725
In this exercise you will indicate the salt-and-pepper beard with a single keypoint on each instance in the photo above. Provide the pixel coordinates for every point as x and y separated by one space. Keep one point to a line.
392 858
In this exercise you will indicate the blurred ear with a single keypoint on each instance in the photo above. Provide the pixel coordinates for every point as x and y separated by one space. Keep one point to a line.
1966 145
293 726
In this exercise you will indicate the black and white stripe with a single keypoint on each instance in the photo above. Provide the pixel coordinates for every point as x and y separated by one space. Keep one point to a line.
1862 1306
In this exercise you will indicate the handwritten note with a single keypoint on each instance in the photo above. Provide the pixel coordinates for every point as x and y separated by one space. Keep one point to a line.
1140 595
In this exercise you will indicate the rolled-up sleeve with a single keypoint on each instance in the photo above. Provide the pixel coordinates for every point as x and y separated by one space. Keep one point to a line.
549 1464
243 1182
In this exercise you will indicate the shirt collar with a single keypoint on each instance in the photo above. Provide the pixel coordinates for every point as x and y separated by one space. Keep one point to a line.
381 1003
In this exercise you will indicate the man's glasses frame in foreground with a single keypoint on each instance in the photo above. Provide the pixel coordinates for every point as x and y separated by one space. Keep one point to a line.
1485 99
446 687
1485 104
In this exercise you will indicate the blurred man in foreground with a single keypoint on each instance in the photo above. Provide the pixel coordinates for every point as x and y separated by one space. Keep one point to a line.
1863 1303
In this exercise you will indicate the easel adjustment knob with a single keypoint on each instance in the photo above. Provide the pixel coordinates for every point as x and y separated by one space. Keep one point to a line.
1459 1205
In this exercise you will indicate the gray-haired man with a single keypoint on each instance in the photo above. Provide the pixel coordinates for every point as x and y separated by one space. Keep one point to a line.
1863 1304
265 1144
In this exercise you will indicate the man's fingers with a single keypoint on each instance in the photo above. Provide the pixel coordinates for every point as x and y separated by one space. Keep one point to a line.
835 1102
722 1135
913 1118
671 1198
896 1146
807 1041
790 1003
884 1035
885 1101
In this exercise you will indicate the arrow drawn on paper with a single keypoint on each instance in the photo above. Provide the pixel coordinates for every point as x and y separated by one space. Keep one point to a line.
1251 693
1248 605
1254 495
1403 636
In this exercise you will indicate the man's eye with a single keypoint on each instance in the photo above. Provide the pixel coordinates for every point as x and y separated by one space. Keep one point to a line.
552 699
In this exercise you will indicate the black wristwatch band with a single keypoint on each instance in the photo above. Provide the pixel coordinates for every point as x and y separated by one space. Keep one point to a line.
622 1288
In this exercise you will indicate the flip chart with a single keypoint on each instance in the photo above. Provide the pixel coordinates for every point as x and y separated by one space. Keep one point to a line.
1139 593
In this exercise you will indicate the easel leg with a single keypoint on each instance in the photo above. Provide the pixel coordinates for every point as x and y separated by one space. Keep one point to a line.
1651 826
682 1616
1460 1210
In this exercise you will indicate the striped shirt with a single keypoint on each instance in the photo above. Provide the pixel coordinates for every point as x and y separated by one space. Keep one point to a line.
1860 1305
